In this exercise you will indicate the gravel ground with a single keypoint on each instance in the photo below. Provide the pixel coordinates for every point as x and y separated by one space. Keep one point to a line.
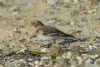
78 17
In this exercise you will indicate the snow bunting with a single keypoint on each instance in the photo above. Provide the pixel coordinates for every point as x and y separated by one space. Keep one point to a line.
45 32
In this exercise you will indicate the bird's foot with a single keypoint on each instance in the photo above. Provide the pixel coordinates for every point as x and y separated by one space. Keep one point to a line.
62 44
47 45
51 43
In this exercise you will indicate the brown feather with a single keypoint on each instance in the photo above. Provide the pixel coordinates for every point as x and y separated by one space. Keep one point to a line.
52 31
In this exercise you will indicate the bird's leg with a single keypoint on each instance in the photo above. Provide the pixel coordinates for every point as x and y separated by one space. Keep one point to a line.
69 44
62 43
50 43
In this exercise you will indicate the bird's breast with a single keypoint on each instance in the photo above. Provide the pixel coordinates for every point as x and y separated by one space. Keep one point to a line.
44 37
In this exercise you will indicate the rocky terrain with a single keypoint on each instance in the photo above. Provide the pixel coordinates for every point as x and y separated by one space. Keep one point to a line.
80 18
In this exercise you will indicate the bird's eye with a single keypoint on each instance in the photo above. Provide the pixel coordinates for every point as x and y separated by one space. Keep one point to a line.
32 23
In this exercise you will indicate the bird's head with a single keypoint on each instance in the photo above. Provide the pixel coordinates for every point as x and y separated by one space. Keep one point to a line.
37 23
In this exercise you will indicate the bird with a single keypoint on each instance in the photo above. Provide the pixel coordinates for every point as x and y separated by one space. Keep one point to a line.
49 33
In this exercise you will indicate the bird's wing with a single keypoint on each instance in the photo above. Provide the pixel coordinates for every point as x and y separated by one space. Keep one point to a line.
52 31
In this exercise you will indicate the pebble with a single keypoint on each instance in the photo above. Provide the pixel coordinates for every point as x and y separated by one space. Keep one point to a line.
22 60
98 34
80 60
67 55
17 63
91 47
14 10
97 44
89 61
66 1
94 56
36 64
22 50
84 1
52 2
97 41
84 56
98 61
13 43
62 63
2 2
2 65
71 1
75 1
52 21
44 50
46 60
91 11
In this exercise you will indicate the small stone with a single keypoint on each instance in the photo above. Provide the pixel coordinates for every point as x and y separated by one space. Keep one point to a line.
84 1
10 35
3 2
72 23
1 65
89 61
21 60
52 21
91 11
91 47
14 8
97 41
62 62
80 60
36 64
46 60
98 61
22 50
94 56
97 44
75 1
44 50
98 35
52 2
67 55
66 1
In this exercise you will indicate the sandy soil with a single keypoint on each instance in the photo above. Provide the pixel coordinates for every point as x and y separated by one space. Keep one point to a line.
81 19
